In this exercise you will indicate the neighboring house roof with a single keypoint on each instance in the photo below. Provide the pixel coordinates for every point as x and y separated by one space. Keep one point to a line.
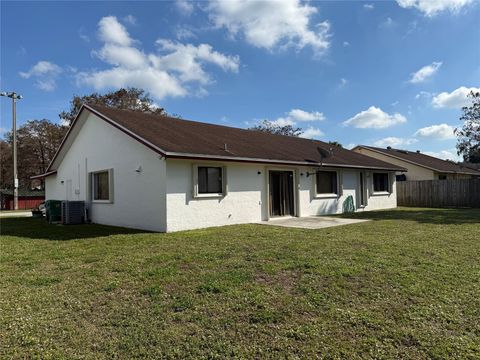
177 138
423 160
475 166
24 192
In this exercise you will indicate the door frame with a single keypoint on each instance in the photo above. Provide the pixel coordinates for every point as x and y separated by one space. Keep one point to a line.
295 190
362 188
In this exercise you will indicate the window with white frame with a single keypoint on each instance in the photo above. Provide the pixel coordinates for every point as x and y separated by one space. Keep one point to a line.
102 186
327 183
210 180
380 182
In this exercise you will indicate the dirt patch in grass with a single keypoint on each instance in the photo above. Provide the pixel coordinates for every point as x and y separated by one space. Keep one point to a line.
287 280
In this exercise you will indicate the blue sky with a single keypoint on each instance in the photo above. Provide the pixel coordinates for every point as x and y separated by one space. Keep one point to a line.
377 73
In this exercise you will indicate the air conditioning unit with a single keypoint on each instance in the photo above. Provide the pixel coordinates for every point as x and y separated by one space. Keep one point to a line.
73 212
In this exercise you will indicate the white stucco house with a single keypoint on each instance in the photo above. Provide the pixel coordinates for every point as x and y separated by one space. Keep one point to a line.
166 174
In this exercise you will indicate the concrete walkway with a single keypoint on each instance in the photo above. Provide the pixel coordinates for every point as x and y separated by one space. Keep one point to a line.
18 213
311 222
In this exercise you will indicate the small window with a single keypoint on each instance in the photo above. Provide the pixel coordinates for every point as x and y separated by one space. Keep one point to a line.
442 177
327 182
210 180
380 182
101 186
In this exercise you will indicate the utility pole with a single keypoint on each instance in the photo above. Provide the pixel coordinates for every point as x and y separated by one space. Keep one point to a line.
14 96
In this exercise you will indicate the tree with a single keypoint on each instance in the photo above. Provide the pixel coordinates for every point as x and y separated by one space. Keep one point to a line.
272 128
37 143
130 98
468 142
335 143
6 165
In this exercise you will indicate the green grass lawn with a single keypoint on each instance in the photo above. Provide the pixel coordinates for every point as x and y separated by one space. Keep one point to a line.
405 285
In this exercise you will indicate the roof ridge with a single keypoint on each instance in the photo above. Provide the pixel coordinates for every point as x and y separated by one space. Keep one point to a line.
208 124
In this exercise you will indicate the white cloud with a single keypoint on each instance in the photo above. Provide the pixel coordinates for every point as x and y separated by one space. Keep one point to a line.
394 141
374 118
369 6
130 19
175 70
282 121
425 72
450 154
387 23
185 7
45 74
272 24
346 43
42 68
437 132
455 100
183 33
302 115
112 32
423 94
82 35
343 82
311 133
124 56
298 115
434 7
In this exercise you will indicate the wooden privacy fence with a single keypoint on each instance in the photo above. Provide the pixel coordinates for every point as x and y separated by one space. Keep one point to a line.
439 193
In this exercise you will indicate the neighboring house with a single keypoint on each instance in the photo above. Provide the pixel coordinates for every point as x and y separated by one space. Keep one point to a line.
420 166
27 199
166 174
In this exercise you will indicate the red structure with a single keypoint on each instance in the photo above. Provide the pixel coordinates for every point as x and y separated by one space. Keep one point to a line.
27 199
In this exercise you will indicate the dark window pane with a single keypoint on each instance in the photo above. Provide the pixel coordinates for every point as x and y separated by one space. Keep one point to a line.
100 186
380 182
202 180
326 182
209 180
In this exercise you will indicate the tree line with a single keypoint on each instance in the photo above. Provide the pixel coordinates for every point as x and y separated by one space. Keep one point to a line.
38 140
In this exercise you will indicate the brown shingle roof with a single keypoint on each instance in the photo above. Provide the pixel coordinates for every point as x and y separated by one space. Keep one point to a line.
424 160
177 138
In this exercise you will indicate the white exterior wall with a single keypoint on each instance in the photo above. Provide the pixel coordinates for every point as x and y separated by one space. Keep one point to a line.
243 203
246 200
313 204
138 197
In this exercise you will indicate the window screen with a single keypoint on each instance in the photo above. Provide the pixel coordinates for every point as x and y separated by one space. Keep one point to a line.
101 185
380 182
327 182
209 180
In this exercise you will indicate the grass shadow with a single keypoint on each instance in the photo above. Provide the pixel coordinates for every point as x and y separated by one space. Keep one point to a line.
39 229
422 215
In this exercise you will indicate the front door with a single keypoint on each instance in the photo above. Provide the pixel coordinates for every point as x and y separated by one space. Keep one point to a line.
281 193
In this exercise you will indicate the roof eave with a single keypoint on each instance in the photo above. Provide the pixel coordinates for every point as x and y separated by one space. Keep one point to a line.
176 155
44 175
